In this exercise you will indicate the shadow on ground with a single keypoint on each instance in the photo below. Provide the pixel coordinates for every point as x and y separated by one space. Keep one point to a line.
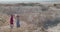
50 23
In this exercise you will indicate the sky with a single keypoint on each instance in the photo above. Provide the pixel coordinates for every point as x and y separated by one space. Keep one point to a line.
18 1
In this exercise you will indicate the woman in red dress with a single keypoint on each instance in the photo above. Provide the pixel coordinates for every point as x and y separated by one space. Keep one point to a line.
11 21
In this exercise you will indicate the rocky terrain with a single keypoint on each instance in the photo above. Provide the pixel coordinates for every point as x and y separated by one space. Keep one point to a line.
33 17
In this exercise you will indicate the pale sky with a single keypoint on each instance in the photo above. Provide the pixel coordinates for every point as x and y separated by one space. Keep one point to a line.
17 1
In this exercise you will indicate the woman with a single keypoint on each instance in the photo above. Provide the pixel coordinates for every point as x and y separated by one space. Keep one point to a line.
11 21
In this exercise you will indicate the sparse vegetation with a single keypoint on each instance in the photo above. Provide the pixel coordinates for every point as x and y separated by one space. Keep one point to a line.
32 19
